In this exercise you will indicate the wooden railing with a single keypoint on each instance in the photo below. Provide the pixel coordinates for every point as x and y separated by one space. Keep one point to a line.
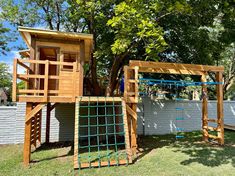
32 78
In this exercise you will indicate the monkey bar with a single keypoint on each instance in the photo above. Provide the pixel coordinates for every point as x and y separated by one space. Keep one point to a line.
131 93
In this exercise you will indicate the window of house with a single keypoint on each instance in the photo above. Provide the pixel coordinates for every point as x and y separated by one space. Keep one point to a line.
69 57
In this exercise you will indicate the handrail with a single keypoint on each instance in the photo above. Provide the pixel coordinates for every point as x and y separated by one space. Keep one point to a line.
34 80
44 62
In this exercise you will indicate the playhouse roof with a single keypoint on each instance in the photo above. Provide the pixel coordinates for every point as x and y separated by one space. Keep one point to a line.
27 33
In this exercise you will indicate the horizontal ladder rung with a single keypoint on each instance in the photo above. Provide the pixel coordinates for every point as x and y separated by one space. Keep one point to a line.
133 81
179 129
213 137
212 120
213 129
179 118
178 108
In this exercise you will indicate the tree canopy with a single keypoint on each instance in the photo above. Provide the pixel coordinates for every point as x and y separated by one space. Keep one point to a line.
187 31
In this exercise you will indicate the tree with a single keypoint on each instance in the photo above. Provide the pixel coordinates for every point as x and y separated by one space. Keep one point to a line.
4 39
175 30
5 76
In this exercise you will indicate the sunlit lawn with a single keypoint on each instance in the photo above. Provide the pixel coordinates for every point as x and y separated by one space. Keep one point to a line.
159 155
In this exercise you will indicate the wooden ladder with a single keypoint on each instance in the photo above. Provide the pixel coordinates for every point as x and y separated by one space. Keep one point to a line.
131 98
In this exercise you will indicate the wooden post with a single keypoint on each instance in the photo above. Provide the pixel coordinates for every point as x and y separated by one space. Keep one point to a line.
76 134
46 80
134 130
27 136
74 80
220 114
14 85
126 129
48 120
39 127
204 109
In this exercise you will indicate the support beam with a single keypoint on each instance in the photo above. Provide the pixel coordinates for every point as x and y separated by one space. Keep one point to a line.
34 111
27 136
204 109
134 130
220 114
176 66
48 120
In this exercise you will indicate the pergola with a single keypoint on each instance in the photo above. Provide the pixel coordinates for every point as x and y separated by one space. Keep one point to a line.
131 94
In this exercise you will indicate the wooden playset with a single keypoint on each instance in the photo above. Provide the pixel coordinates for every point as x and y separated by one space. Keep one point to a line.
54 74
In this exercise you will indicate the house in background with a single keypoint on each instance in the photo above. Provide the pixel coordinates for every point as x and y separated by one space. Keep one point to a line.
3 96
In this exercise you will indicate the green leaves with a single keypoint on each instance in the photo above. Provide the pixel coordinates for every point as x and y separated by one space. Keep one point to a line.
136 23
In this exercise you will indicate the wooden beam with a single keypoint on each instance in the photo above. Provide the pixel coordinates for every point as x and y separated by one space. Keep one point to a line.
126 129
46 80
101 99
14 81
27 136
204 109
134 131
220 108
48 120
34 111
131 112
76 134
174 66
169 71
103 163
23 65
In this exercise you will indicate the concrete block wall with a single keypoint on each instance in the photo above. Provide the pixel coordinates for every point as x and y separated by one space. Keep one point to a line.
159 117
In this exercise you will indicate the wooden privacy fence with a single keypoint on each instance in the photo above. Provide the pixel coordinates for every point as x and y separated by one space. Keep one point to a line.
34 86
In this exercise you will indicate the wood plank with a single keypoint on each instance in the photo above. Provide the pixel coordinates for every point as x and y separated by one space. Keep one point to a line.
45 62
169 71
34 111
52 99
212 120
14 81
213 137
126 78
204 108
101 99
126 129
25 91
176 66
220 108
39 132
103 163
134 131
76 134
48 120
27 136
131 112
46 80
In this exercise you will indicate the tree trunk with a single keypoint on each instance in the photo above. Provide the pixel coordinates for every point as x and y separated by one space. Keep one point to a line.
117 65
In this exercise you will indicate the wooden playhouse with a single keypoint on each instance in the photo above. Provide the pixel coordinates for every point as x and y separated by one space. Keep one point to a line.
54 73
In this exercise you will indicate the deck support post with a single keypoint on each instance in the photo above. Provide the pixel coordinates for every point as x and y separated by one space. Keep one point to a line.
220 115
48 121
204 109
27 136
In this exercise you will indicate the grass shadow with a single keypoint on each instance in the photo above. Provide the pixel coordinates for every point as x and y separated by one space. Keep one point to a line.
207 154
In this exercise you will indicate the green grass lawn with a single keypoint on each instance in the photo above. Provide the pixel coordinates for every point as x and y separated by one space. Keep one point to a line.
159 155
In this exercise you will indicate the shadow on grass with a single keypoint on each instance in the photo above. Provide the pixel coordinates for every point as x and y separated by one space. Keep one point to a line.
51 146
207 154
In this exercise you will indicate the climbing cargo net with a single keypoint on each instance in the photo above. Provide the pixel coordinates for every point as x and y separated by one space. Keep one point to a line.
101 132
